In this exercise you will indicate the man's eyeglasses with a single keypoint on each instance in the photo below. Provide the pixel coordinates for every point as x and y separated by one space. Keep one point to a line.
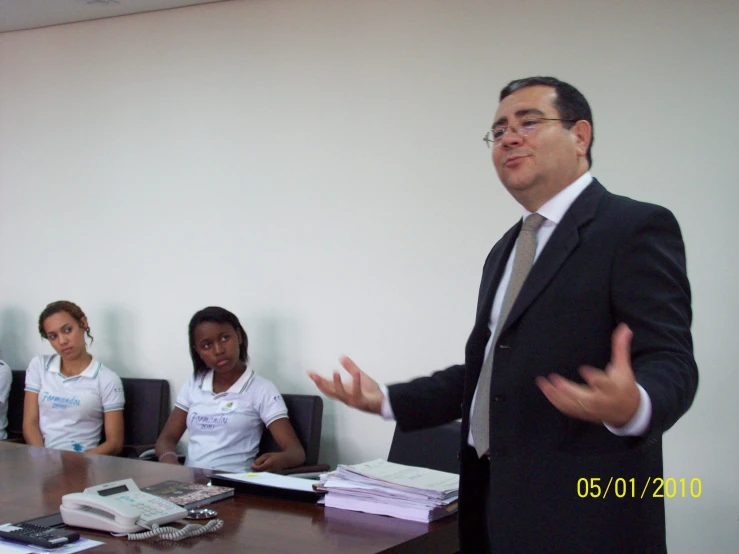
526 127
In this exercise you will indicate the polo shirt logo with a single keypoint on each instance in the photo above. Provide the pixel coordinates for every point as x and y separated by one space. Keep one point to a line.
228 406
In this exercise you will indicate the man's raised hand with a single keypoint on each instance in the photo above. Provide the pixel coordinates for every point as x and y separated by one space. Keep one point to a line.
362 392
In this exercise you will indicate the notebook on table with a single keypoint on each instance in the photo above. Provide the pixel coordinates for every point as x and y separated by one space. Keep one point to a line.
189 495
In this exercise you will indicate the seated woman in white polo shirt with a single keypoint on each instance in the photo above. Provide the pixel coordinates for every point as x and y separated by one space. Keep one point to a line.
70 396
225 406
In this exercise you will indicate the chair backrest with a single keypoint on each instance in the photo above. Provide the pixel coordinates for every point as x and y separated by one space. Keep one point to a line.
432 448
15 404
306 416
147 409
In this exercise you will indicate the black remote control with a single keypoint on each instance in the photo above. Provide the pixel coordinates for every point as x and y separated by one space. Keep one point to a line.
36 535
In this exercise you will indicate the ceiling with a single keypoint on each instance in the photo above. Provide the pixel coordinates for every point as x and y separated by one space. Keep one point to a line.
18 15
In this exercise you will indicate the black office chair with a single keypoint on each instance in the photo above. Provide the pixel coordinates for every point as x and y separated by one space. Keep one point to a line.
146 411
432 448
305 412
15 406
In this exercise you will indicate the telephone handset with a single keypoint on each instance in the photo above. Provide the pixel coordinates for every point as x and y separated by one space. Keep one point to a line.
117 507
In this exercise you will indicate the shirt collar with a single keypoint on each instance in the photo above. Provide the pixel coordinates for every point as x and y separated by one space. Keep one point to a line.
238 387
54 365
555 208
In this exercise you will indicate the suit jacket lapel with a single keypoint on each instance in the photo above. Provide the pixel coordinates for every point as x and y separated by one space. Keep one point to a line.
561 244
494 272
491 275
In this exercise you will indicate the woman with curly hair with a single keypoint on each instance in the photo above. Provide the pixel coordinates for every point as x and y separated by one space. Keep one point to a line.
71 396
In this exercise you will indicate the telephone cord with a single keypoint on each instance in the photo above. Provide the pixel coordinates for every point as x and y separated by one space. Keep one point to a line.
172 534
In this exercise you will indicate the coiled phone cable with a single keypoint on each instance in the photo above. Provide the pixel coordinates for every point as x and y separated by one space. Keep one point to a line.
173 534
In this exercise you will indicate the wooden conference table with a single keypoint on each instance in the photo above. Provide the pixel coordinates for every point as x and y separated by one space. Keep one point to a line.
33 480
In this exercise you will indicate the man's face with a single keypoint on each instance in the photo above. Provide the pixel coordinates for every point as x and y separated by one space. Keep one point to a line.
535 167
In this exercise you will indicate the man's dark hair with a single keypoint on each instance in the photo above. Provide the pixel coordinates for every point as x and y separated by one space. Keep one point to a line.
216 315
570 102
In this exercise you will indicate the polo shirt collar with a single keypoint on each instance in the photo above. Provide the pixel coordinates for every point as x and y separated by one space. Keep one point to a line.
238 387
54 365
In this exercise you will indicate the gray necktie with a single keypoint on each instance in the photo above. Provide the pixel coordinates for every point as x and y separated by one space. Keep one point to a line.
522 262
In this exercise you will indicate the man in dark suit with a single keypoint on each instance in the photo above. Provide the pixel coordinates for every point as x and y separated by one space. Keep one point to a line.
576 364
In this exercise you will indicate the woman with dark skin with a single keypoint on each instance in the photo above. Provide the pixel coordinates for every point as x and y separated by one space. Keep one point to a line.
225 406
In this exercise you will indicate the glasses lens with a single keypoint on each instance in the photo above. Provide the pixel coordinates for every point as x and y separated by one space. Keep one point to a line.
529 126
498 132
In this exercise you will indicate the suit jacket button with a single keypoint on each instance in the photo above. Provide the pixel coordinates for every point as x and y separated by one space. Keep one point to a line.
499 398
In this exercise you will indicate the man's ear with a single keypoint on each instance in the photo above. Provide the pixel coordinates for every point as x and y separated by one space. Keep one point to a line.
583 132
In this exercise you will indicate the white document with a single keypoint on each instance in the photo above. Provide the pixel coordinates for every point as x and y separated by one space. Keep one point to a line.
435 483
268 479
6 549
413 513
385 488
361 490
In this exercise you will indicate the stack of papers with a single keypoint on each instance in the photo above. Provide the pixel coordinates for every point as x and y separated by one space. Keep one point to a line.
385 488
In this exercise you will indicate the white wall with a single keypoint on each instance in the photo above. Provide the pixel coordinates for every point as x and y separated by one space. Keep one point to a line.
317 167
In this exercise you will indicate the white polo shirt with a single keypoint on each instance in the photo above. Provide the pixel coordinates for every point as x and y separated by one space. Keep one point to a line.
6 377
225 428
71 408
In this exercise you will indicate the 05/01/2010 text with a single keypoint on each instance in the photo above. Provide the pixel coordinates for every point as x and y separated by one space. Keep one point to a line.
657 487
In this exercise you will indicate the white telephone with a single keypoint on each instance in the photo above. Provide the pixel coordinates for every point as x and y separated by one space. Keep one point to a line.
117 507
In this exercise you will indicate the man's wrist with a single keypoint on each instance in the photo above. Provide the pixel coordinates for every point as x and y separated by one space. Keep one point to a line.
386 410
639 423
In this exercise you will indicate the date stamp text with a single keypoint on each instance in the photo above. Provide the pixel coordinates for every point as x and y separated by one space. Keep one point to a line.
652 487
